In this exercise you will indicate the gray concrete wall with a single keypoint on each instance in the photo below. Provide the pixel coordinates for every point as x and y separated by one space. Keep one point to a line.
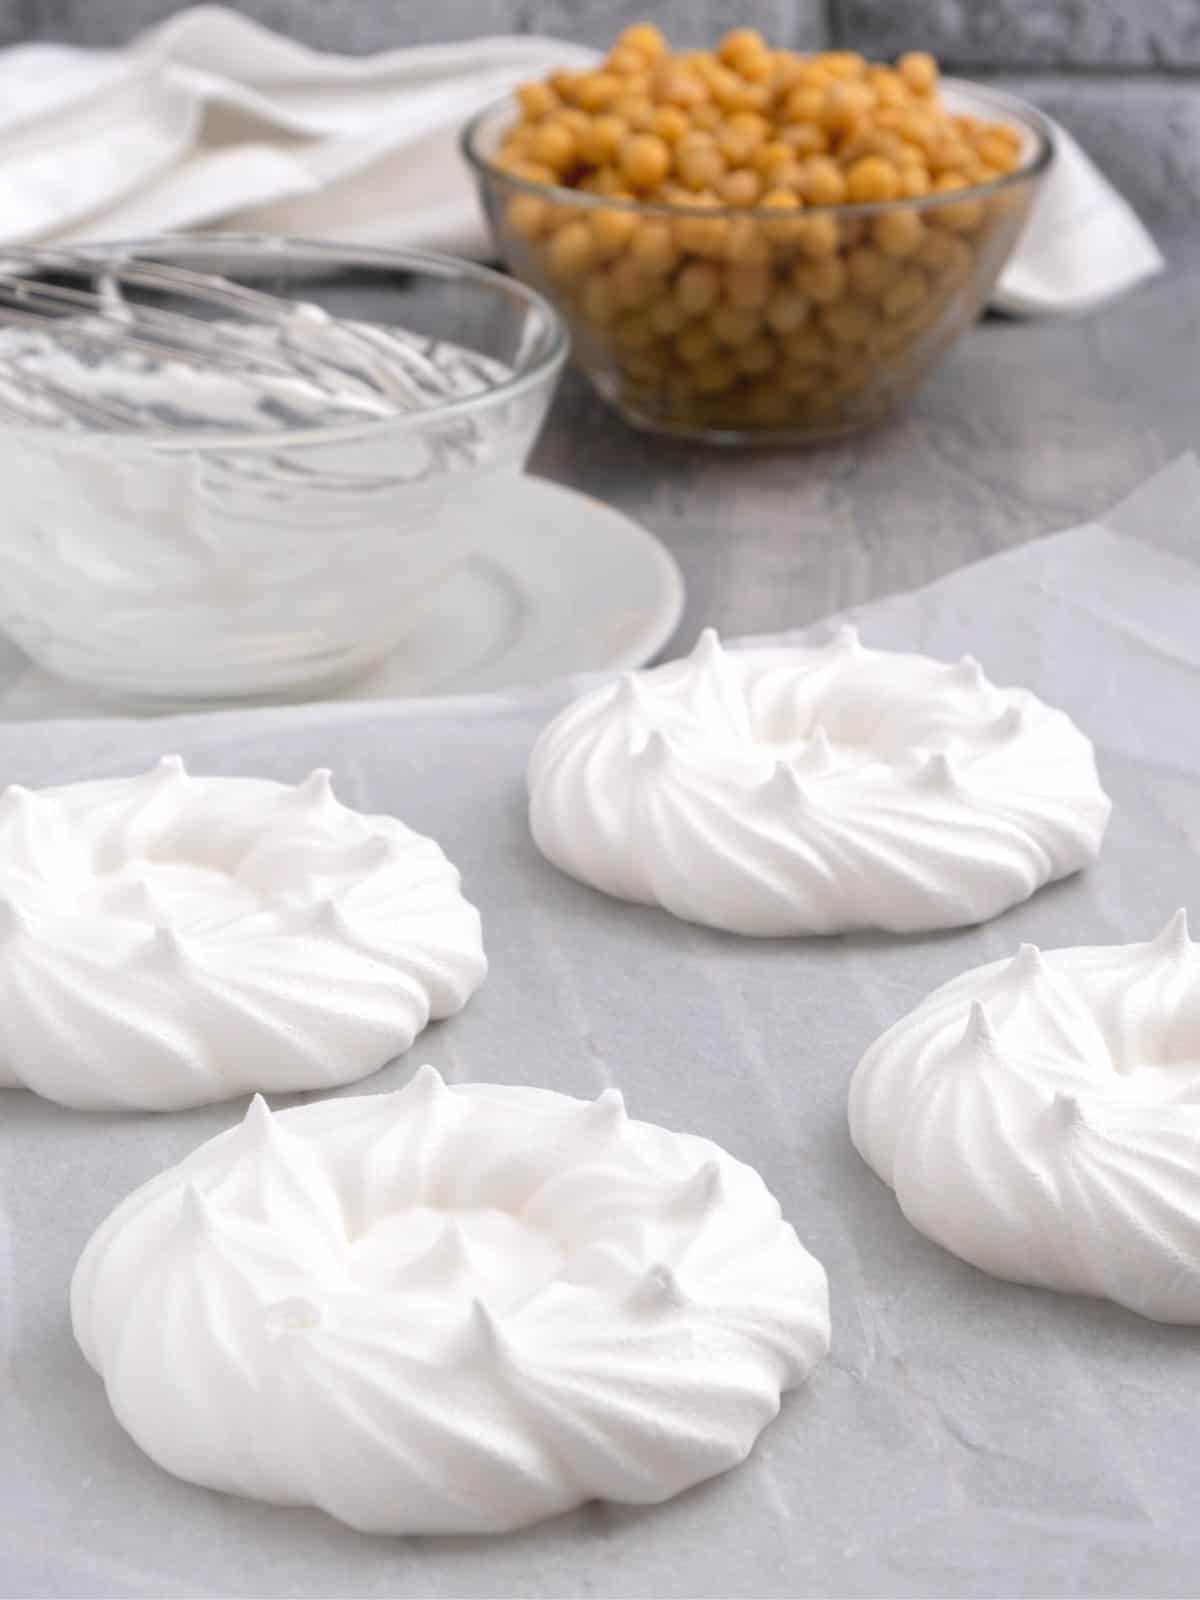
1123 75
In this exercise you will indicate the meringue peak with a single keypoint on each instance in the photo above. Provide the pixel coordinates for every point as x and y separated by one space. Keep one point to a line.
784 786
1174 939
294 1317
708 653
818 752
196 1218
969 673
13 920
1068 1110
846 639
17 801
629 698
657 753
168 947
979 1033
606 1113
486 1337
424 1089
1027 965
701 1189
167 770
658 1290
258 1125
317 789
938 772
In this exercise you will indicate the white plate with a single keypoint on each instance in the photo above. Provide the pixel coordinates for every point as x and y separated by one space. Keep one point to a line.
567 584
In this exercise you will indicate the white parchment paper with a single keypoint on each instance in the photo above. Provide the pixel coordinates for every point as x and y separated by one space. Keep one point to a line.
967 1437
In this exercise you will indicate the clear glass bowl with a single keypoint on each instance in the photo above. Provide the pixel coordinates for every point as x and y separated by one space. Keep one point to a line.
816 346
206 564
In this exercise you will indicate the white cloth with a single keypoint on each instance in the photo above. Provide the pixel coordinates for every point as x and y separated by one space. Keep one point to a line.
211 120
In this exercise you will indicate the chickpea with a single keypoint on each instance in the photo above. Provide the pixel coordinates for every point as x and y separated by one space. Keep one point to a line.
772 159
696 342
598 90
844 107
526 215
654 248
740 42
801 379
805 103
817 236
757 355
748 286
746 242
914 181
807 347
733 325
645 39
714 374
897 233
635 111
667 316
805 140
611 231
786 311
907 292
698 162
599 303
670 124
822 183
961 217
768 405
645 160
537 100
870 179
703 236
869 270
633 331
739 187
918 72
698 287
570 250
600 141
632 288
625 62
682 89
554 145
822 280
847 321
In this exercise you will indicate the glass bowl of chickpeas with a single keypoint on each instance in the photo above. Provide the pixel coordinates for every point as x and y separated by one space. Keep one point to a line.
751 245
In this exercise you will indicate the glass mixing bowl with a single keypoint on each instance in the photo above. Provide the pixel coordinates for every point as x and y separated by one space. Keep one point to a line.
235 546
808 333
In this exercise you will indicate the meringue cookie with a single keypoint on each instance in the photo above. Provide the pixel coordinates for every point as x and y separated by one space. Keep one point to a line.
811 791
167 941
449 1309
1041 1119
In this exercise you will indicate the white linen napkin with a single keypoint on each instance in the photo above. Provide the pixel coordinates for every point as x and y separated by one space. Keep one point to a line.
212 120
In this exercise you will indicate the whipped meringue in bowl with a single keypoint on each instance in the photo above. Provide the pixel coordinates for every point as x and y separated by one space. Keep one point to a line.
779 791
1040 1118
449 1309
170 940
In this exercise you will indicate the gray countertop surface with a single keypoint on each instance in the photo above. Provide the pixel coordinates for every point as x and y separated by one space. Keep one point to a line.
1028 427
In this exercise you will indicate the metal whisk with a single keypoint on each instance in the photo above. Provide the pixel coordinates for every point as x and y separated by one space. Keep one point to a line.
359 369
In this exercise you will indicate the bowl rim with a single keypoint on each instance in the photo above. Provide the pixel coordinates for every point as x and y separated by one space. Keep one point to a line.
1009 106
431 263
